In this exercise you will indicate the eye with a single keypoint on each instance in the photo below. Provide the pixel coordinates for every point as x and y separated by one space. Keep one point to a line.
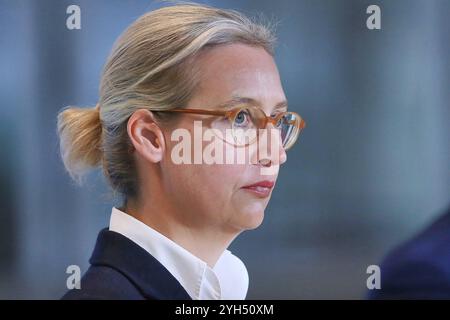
277 112
280 120
242 119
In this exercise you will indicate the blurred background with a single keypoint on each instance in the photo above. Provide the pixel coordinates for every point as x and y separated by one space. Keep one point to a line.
370 171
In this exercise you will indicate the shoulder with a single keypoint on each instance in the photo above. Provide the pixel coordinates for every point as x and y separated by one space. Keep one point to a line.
104 282
420 268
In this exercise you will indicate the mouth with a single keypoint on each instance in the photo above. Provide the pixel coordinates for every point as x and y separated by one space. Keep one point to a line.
261 189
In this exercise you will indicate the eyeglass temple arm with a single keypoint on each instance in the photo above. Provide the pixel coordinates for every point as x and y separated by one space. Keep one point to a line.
199 111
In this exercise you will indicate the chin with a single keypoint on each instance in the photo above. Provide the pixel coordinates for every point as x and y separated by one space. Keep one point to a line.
251 218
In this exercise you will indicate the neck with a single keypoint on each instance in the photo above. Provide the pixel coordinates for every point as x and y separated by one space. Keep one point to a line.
204 241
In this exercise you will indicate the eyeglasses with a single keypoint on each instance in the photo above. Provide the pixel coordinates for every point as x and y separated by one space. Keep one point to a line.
251 118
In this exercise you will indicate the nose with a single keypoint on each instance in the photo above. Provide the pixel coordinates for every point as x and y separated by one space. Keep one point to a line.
270 150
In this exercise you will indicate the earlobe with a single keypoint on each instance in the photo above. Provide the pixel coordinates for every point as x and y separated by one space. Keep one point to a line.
146 136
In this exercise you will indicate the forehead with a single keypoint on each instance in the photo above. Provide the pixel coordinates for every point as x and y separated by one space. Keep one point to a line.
228 71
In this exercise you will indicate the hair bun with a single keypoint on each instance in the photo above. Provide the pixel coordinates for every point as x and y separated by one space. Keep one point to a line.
80 132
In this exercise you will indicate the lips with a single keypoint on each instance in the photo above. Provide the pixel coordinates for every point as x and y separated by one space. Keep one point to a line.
261 188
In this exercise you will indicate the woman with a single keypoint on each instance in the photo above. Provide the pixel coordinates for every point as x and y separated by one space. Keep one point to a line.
182 67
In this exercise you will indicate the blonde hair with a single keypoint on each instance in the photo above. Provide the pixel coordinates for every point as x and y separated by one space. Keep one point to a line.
150 66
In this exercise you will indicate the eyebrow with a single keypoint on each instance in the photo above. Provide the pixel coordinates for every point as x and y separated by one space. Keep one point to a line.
237 100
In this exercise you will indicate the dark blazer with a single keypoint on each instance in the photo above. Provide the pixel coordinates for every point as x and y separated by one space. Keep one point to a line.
120 269
420 268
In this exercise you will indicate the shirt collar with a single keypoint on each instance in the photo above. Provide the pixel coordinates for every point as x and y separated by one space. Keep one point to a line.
227 280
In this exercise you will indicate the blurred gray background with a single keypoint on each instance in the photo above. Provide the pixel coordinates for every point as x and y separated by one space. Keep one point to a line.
371 169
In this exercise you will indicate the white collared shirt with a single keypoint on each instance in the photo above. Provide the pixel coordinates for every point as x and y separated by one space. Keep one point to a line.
227 280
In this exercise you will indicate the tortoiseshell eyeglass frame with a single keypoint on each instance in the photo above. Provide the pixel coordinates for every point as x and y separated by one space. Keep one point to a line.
264 120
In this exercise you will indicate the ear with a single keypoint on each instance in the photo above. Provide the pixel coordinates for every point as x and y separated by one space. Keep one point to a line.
146 136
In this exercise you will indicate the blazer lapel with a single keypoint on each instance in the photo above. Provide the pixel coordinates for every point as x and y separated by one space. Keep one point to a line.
140 267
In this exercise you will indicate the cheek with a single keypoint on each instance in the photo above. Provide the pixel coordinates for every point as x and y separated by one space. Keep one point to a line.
206 185
218 180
